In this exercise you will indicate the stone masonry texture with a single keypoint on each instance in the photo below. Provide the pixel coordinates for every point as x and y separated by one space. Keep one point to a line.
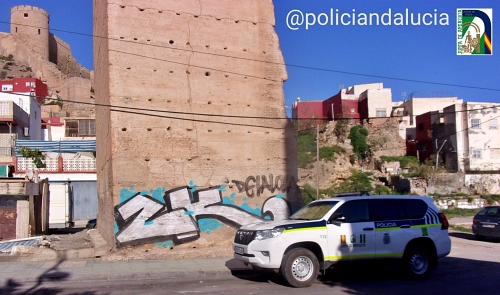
189 148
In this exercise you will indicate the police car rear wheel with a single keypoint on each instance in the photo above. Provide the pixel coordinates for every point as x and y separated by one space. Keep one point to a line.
299 267
416 262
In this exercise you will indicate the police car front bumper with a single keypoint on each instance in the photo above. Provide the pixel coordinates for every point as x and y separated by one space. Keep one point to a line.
259 254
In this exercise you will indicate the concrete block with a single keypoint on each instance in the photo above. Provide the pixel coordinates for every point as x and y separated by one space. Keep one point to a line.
100 246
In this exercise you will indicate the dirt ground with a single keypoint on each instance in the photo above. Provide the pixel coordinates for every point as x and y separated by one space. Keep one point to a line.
78 238
67 239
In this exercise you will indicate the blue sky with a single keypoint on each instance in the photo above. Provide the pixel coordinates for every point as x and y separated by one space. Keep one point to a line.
409 52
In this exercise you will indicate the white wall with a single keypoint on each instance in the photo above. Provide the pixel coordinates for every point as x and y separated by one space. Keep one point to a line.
418 106
484 139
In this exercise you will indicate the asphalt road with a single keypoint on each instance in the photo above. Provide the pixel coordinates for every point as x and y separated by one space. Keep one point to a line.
473 267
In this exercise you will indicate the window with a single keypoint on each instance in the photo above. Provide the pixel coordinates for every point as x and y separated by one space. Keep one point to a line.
386 209
381 113
475 124
490 212
25 15
38 31
424 149
314 211
414 209
353 110
80 128
354 211
494 124
476 154
420 126
7 87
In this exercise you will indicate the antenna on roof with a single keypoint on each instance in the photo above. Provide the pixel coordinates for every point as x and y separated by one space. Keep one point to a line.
403 94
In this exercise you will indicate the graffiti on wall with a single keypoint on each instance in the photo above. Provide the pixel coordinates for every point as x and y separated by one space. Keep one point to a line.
255 185
175 215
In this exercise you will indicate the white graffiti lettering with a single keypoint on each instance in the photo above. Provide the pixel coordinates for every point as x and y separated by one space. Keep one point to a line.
142 219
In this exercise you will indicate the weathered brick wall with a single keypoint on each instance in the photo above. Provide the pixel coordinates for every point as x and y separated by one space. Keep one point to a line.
184 178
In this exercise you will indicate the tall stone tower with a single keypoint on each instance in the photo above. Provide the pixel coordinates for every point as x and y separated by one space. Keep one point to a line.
30 26
191 136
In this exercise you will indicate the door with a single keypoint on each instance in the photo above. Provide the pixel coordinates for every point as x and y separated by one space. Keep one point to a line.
59 205
393 228
352 236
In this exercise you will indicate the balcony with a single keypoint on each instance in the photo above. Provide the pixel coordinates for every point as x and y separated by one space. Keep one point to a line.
11 112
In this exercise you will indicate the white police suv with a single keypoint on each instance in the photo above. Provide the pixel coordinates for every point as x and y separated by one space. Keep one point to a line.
408 228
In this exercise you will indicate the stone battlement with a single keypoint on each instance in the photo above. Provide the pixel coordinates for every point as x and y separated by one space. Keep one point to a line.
29 8
61 42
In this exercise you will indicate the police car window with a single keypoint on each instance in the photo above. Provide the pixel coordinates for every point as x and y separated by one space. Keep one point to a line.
354 211
414 209
386 209
313 211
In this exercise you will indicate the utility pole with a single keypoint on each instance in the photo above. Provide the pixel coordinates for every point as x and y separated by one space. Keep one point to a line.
317 161
437 153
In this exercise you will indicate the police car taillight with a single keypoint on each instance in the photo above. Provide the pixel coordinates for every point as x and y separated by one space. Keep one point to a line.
444 222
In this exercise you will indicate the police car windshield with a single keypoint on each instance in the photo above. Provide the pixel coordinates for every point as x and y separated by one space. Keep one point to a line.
313 211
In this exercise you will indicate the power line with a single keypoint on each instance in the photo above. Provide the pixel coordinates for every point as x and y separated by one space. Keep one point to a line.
270 62
132 110
235 116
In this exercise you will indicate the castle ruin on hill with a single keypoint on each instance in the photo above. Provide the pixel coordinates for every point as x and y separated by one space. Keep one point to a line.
50 58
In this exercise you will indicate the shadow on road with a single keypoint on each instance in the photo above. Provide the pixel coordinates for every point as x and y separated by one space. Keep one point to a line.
453 276
469 236
53 274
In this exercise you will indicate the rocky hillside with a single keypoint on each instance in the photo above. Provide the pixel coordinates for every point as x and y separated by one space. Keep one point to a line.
383 139
10 68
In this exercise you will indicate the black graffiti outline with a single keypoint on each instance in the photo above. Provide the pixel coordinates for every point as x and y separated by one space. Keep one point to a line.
166 208
262 184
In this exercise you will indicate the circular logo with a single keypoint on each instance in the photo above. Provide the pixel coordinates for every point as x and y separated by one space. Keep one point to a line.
387 239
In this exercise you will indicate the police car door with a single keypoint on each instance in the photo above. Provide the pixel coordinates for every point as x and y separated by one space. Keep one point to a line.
392 227
351 235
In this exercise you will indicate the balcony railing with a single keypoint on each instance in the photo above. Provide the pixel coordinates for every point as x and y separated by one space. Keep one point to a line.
58 165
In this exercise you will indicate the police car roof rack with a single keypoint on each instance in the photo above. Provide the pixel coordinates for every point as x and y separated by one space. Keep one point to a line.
353 194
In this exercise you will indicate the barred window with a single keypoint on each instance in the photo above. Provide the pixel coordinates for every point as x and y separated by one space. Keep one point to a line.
476 154
475 124
80 128
381 113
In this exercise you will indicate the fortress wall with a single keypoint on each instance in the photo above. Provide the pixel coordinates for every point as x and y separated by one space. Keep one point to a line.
204 57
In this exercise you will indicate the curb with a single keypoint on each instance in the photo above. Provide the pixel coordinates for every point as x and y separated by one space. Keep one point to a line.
48 254
61 276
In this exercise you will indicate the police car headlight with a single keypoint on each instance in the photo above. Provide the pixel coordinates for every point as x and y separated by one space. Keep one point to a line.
268 233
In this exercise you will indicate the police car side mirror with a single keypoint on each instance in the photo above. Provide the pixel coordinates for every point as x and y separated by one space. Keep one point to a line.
337 218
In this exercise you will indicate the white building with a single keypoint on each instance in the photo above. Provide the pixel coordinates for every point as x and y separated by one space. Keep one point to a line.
415 106
475 144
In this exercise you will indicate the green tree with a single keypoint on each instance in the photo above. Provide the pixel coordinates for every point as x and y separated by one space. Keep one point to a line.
35 155
358 181
357 135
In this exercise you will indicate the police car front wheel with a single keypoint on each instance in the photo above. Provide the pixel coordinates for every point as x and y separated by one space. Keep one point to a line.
299 267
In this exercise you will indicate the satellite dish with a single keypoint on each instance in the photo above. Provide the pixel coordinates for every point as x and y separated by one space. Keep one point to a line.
29 173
